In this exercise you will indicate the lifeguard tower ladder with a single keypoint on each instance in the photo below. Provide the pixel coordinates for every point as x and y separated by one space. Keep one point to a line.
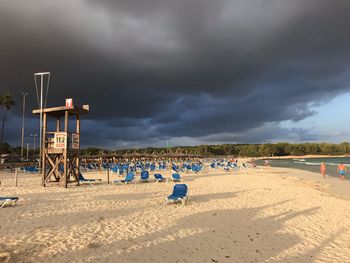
60 159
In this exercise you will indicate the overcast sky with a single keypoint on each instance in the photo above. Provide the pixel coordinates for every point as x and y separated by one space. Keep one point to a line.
184 71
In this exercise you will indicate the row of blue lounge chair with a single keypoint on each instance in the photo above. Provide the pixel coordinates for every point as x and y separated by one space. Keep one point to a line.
123 168
130 177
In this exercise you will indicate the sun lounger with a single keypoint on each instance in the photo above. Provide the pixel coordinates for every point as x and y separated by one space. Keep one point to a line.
179 194
161 167
159 178
196 168
90 167
90 181
128 179
176 178
115 169
6 200
175 168
144 176
105 166
31 169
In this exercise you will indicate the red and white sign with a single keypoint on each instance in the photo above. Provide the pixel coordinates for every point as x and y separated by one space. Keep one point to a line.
69 103
60 140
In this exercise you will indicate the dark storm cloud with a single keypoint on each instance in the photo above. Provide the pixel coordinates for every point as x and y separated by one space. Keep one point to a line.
192 70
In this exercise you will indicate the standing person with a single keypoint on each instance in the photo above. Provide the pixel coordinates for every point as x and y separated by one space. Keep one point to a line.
323 170
341 170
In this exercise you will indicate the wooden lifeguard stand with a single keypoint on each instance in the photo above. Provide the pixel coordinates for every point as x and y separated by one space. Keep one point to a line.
60 159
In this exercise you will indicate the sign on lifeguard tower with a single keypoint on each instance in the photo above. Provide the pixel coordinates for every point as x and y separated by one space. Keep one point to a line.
69 103
75 141
60 140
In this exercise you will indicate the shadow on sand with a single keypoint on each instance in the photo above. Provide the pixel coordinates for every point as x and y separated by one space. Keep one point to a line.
233 235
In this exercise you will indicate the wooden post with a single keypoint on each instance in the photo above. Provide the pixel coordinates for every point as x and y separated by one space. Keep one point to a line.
16 178
171 168
58 124
77 161
43 150
108 173
65 151
100 165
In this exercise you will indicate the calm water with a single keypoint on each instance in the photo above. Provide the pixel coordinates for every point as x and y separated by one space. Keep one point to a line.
312 164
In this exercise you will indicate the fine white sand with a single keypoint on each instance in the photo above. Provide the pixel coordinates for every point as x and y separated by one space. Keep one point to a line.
254 215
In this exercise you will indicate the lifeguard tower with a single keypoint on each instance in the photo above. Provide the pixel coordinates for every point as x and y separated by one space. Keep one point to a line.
60 159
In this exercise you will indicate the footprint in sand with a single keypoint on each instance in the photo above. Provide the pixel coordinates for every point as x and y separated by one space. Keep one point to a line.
5 257
94 245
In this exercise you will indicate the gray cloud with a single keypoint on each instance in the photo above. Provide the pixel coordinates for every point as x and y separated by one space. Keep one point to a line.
179 70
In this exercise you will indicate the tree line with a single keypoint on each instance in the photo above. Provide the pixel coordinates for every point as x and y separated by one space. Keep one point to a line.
237 150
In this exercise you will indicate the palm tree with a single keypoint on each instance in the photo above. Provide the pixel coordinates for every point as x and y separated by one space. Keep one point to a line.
6 100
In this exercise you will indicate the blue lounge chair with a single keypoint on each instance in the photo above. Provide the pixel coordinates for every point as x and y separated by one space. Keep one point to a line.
196 168
90 167
159 178
90 181
179 194
115 169
128 179
6 200
144 176
176 178
175 168
105 166
31 169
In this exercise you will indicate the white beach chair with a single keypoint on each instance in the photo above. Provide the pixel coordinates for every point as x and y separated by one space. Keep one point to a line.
5 200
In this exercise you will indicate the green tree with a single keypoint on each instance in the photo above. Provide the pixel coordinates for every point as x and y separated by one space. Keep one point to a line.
344 147
5 148
6 100
202 150
266 150
299 149
312 148
282 149
252 150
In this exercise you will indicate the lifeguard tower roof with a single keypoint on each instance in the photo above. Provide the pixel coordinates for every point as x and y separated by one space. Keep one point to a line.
60 111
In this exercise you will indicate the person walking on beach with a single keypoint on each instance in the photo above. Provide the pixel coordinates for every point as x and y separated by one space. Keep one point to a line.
323 169
341 170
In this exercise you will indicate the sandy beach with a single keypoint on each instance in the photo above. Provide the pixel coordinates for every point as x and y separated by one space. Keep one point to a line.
254 215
